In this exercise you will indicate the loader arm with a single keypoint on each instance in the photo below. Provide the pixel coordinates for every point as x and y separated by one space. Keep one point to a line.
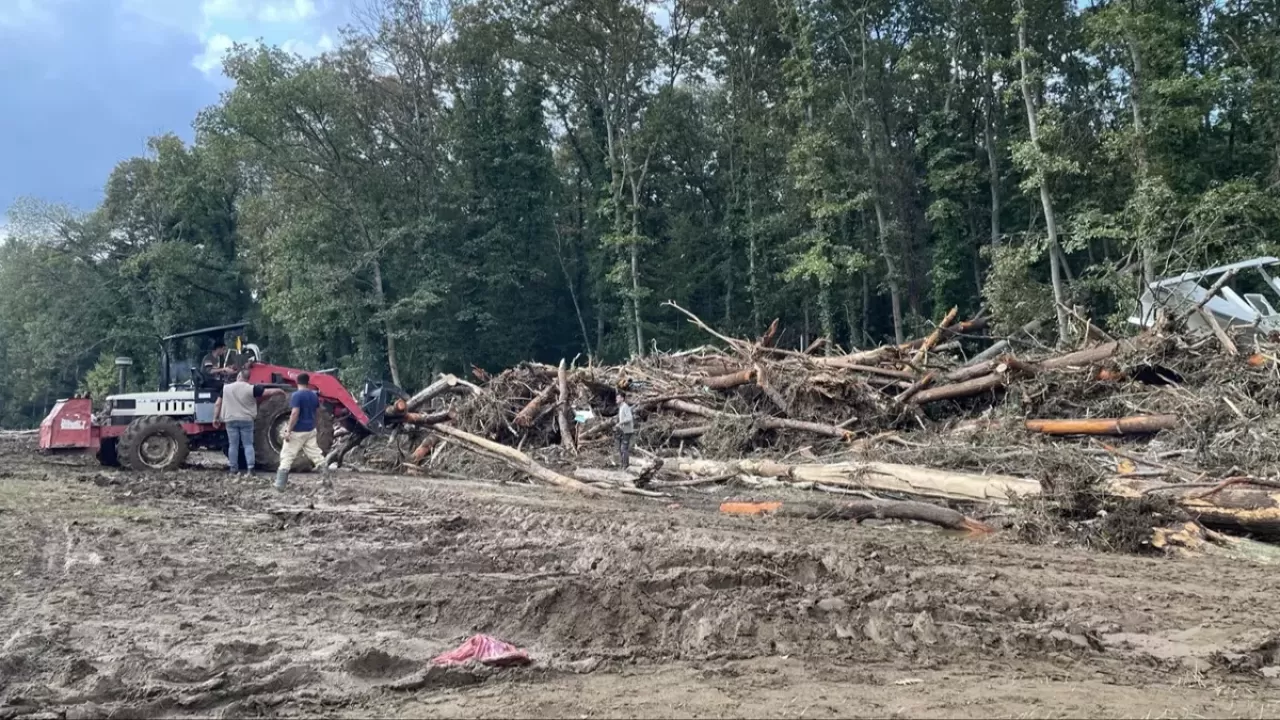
327 386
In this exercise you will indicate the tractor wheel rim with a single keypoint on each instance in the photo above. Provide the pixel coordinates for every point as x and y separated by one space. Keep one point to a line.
276 434
158 450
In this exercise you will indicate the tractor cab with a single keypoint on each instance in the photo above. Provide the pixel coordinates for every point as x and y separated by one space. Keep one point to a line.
185 391
181 354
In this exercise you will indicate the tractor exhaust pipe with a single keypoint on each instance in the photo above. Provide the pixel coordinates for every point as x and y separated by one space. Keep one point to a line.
122 373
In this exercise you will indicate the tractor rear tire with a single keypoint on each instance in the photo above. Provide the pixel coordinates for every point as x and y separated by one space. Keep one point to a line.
273 418
107 454
154 442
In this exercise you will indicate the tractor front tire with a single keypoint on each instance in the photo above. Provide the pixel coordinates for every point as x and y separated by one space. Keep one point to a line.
268 433
155 442
107 454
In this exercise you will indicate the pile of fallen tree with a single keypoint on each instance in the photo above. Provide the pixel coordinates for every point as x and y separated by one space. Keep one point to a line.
962 417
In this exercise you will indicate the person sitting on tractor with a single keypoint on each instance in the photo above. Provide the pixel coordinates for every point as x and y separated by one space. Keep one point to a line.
217 364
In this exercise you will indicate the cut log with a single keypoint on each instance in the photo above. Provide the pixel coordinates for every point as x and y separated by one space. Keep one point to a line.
815 346
685 433
770 335
859 510
563 417
731 380
525 417
620 477
424 449
775 397
446 383
919 481
865 357
599 475
886 372
916 387
886 477
968 388
1228 345
773 423
1238 508
685 406
1004 345
1093 355
432 418
934 336
1208 294
511 457
767 423
969 372
964 328
1133 425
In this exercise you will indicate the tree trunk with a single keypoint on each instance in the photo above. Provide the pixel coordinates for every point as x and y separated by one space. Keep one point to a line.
887 477
525 417
446 383
730 380
635 298
752 251
1046 202
859 510
1140 135
380 302
1239 508
511 457
872 149
993 159
564 418
1134 425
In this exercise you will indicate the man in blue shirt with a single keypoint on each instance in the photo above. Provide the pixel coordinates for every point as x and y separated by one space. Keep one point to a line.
300 435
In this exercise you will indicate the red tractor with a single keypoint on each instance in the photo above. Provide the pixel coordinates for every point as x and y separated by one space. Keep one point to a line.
157 430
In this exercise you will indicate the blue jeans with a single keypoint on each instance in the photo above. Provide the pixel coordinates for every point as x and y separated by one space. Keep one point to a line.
239 433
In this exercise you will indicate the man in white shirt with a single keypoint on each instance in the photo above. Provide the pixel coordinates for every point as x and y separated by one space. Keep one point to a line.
626 428
237 407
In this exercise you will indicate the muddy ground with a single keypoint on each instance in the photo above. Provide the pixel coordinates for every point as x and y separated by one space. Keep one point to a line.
189 594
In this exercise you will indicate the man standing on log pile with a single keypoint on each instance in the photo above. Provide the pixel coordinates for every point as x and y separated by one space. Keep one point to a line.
300 435
626 428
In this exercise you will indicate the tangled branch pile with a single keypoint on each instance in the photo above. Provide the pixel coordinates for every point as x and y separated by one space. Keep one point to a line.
956 416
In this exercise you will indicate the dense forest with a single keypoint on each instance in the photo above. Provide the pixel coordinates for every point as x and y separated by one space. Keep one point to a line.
480 183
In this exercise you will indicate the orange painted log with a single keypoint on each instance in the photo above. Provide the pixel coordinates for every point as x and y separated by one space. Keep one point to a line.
1134 425
749 508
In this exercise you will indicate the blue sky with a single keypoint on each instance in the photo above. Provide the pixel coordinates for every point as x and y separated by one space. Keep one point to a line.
84 83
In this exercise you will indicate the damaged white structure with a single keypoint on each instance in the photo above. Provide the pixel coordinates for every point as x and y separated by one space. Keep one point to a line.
1243 312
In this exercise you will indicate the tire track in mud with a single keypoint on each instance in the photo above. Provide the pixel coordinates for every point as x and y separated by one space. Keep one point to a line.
351 594
592 582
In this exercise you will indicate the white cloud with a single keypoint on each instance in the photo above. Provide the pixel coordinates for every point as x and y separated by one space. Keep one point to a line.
308 49
215 48
264 11
287 12
226 9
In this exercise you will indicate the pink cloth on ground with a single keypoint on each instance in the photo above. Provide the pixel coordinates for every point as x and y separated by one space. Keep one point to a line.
486 650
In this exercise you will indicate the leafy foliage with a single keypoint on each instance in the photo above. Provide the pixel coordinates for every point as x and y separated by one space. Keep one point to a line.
484 182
